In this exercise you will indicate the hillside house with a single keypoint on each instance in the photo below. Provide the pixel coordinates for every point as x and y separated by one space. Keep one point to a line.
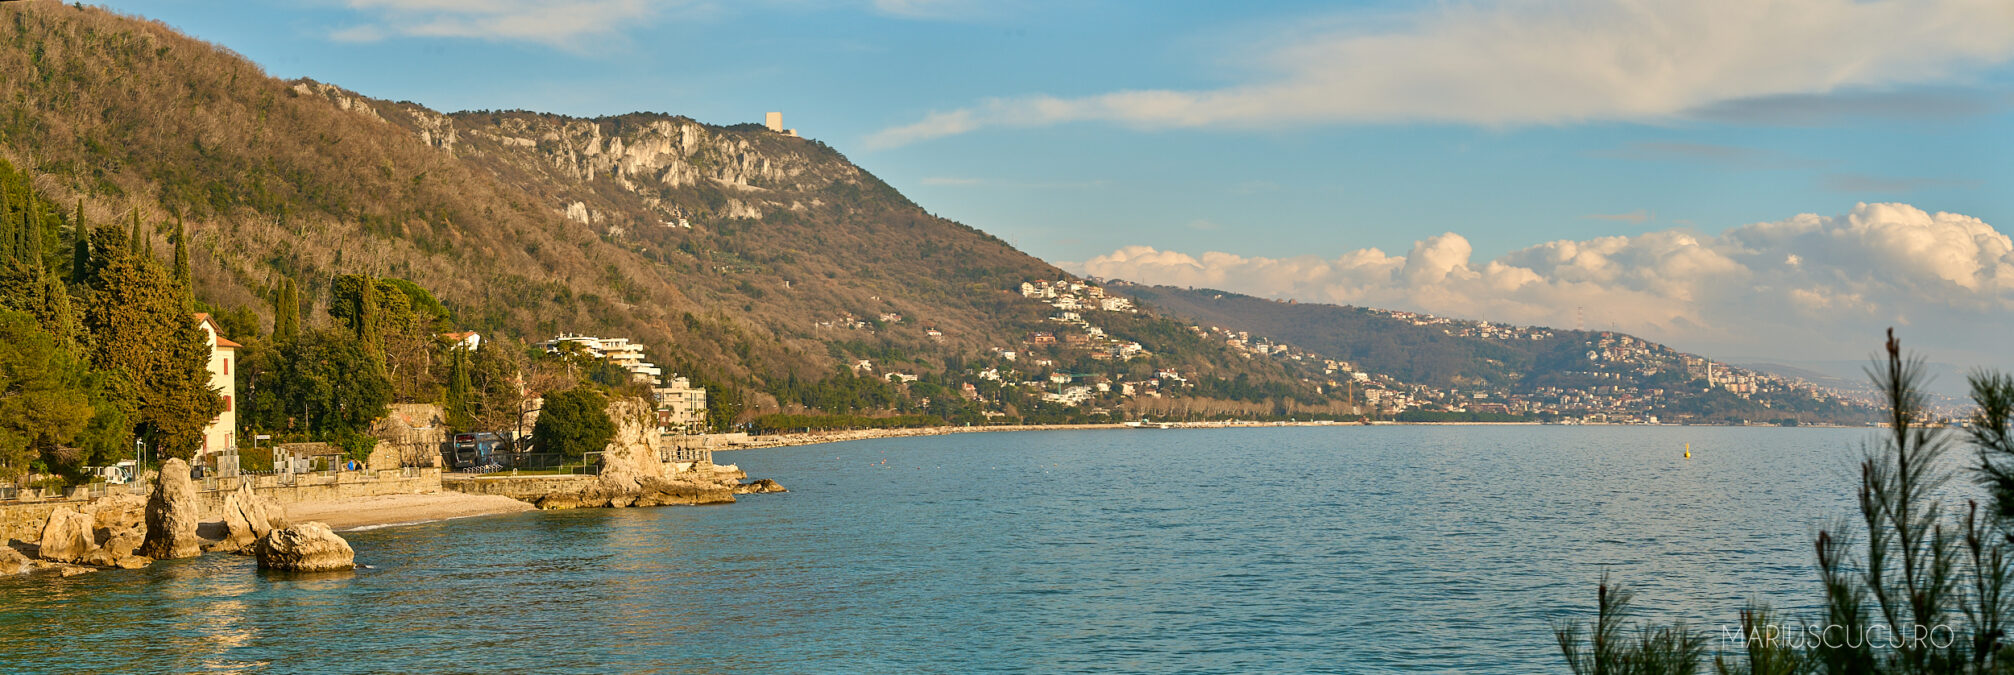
467 339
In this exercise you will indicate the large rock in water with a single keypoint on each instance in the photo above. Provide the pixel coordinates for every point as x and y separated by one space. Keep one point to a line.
633 454
307 547
116 547
172 515
247 518
67 537
12 562
763 486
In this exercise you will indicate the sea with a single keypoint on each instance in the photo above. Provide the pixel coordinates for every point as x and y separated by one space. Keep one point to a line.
1345 549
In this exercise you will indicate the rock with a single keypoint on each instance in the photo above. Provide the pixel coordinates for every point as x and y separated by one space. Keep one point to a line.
685 493
12 562
118 512
117 549
247 517
307 547
633 454
763 486
67 536
172 515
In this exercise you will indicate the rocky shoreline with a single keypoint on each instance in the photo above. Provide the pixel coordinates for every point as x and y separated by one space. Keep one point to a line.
127 531
130 532
635 472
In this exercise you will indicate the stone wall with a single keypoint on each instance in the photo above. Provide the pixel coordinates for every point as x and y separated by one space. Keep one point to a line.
23 520
527 489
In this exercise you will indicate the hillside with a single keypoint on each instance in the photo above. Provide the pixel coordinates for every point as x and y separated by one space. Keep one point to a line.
1456 363
759 263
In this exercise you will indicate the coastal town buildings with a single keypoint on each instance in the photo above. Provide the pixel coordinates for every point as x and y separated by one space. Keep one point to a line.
680 406
619 351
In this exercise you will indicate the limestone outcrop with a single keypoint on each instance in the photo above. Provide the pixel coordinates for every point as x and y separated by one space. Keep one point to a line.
172 515
116 548
307 547
12 562
118 512
637 470
633 454
410 434
67 537
763 486
648 492
247 517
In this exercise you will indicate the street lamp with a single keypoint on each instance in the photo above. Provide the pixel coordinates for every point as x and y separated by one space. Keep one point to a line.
139 457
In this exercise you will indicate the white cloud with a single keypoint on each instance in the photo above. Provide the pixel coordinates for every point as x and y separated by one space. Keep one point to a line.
564 24
1798 287
1518 62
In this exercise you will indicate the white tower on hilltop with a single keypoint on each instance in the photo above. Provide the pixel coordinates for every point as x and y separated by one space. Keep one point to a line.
775 123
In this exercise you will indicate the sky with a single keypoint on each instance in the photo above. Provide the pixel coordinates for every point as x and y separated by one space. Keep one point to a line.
1756 179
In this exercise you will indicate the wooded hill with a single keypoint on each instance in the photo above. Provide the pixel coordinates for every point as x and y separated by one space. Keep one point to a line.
756 262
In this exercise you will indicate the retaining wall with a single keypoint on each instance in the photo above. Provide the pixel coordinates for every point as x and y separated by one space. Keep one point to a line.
23 520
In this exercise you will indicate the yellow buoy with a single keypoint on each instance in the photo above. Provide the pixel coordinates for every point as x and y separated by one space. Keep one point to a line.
1688 451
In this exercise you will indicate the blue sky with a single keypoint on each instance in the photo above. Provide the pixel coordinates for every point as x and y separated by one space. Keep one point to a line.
1266 147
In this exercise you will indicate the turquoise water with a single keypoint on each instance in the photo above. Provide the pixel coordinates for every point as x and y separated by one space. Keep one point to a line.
1347 549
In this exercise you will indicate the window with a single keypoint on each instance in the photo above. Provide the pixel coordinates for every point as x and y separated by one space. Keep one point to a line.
227 403
227 365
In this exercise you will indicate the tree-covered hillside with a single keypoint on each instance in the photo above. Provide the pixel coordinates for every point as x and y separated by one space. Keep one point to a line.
753 261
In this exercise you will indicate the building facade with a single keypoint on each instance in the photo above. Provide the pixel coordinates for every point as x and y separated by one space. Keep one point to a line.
222 432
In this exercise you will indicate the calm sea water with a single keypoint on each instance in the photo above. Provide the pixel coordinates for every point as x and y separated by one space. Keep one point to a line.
1349 549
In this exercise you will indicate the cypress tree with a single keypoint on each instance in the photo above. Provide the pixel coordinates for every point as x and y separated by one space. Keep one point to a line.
80 255
286 312
7 236
107 243
31 236
59 319
182 255
457 399
137 244
354 300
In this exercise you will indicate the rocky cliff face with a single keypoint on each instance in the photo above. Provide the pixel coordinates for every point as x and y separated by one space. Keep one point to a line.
643 157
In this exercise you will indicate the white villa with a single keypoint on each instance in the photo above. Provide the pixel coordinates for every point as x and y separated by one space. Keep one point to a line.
624 353
222 433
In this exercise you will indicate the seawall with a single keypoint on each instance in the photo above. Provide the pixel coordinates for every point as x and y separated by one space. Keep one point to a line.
24 520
